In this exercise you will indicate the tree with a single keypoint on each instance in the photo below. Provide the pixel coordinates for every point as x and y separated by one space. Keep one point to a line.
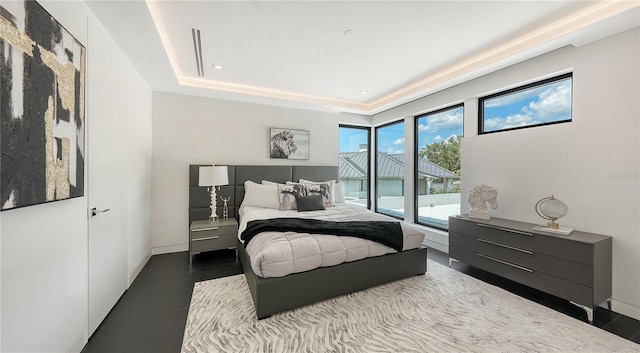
445 154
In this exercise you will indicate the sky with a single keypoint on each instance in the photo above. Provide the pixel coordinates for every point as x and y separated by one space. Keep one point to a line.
542 104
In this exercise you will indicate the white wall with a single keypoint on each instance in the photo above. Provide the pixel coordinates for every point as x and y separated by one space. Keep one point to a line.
191 130
44 248
592 163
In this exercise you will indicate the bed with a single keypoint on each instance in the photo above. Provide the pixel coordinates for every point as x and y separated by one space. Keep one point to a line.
277 294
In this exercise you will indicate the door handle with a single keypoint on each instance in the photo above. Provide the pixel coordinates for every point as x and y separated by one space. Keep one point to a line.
95 211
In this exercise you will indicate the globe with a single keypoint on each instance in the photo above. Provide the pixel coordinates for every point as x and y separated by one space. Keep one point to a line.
551 209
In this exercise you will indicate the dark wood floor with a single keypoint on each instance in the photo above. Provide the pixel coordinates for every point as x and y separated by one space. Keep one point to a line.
151 315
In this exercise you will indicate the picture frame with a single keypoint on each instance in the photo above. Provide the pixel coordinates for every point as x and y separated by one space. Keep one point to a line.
288 143
42 154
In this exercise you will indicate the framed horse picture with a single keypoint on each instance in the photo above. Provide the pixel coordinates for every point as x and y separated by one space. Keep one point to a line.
289 144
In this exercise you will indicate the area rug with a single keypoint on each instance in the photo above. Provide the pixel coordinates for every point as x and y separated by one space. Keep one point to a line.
442 311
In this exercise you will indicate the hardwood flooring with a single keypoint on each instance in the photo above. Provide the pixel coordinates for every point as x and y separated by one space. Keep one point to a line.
151 315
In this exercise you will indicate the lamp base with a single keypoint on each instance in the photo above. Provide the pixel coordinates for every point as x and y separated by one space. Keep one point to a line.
559 230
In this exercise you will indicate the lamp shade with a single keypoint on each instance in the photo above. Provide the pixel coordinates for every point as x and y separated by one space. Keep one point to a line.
213 176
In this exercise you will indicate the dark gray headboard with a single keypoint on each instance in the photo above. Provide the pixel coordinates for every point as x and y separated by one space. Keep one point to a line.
199 198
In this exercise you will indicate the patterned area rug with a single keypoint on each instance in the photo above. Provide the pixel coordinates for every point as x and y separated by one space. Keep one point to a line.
443 311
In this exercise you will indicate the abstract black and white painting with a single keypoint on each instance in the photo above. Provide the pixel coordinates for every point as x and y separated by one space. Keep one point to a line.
42 107
289 144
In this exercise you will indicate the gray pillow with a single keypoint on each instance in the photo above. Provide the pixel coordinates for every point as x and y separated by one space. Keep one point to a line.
310 203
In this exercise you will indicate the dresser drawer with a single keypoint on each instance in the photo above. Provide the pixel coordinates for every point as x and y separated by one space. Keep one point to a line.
554 266
551 245
214 230
213 242
520 239
536 279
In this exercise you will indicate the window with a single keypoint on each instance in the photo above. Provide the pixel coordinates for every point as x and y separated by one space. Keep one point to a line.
353 163
437 166
390 169
541 103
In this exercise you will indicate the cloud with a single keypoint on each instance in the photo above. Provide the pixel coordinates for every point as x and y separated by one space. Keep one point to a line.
399 141
438 138
550 103
450 119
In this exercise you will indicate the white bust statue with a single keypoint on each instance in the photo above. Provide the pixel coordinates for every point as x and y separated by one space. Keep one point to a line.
478 199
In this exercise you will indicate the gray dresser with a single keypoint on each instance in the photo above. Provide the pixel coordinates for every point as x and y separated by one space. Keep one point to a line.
576 267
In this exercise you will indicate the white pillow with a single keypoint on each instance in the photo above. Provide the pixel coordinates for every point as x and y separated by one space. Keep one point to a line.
268 182
260 195
338 193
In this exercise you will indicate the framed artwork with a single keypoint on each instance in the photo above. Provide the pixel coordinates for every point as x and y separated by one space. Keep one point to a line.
42 115
289 144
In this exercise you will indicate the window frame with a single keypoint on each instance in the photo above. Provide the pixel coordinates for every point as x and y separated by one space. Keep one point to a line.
368 130
376 195
415 161
482 100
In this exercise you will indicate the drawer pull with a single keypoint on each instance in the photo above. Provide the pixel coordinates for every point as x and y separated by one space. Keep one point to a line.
505 246
505 229
204 229
506 263
207 238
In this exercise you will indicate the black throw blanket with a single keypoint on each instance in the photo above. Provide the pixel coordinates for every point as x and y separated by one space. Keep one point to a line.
386 233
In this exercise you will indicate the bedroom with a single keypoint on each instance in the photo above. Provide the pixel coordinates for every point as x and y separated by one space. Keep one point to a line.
152 199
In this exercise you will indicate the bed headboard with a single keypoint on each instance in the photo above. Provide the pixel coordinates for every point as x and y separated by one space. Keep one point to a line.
199 198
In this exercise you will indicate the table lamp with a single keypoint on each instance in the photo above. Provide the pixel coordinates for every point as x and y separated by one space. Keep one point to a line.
213 177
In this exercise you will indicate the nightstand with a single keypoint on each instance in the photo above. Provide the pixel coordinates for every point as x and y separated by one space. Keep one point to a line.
205 236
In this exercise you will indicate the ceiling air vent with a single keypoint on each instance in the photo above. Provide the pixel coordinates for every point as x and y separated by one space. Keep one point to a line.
197 47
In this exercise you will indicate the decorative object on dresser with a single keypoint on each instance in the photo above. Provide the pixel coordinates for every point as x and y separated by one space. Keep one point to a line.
43 108
577 268
551 209
204 236
289 144
478 199
213 177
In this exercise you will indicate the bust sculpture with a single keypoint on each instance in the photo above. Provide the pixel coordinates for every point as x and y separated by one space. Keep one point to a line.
478 199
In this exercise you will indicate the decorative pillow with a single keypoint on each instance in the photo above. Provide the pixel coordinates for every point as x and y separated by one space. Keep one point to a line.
338 193
287 194
327 192
310 203
260 195
323 189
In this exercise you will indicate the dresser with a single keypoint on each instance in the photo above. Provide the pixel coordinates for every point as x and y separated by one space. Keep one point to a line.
205 236
576 267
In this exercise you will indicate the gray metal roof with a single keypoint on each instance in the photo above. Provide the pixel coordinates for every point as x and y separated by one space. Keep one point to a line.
352 165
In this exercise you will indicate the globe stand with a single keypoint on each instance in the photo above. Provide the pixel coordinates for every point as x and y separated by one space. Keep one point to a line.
551 209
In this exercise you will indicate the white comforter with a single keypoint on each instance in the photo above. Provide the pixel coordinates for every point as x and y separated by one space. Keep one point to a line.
277 254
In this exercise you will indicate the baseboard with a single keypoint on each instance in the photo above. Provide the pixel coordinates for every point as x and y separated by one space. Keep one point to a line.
77 346
137 271
169 249
435 238
436 245
620 307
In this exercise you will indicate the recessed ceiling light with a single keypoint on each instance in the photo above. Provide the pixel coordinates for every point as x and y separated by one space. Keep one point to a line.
363 92
218 67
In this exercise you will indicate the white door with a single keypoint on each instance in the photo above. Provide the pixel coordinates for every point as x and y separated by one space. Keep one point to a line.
106 161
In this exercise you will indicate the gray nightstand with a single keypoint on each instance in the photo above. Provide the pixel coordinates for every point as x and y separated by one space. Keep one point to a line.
205 236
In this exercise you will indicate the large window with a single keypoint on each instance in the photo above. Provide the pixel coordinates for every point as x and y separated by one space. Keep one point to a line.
390 169
437 166
541 103
353 163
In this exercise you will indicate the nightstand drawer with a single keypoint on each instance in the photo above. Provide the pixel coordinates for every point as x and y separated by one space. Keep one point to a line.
213 242
214 230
